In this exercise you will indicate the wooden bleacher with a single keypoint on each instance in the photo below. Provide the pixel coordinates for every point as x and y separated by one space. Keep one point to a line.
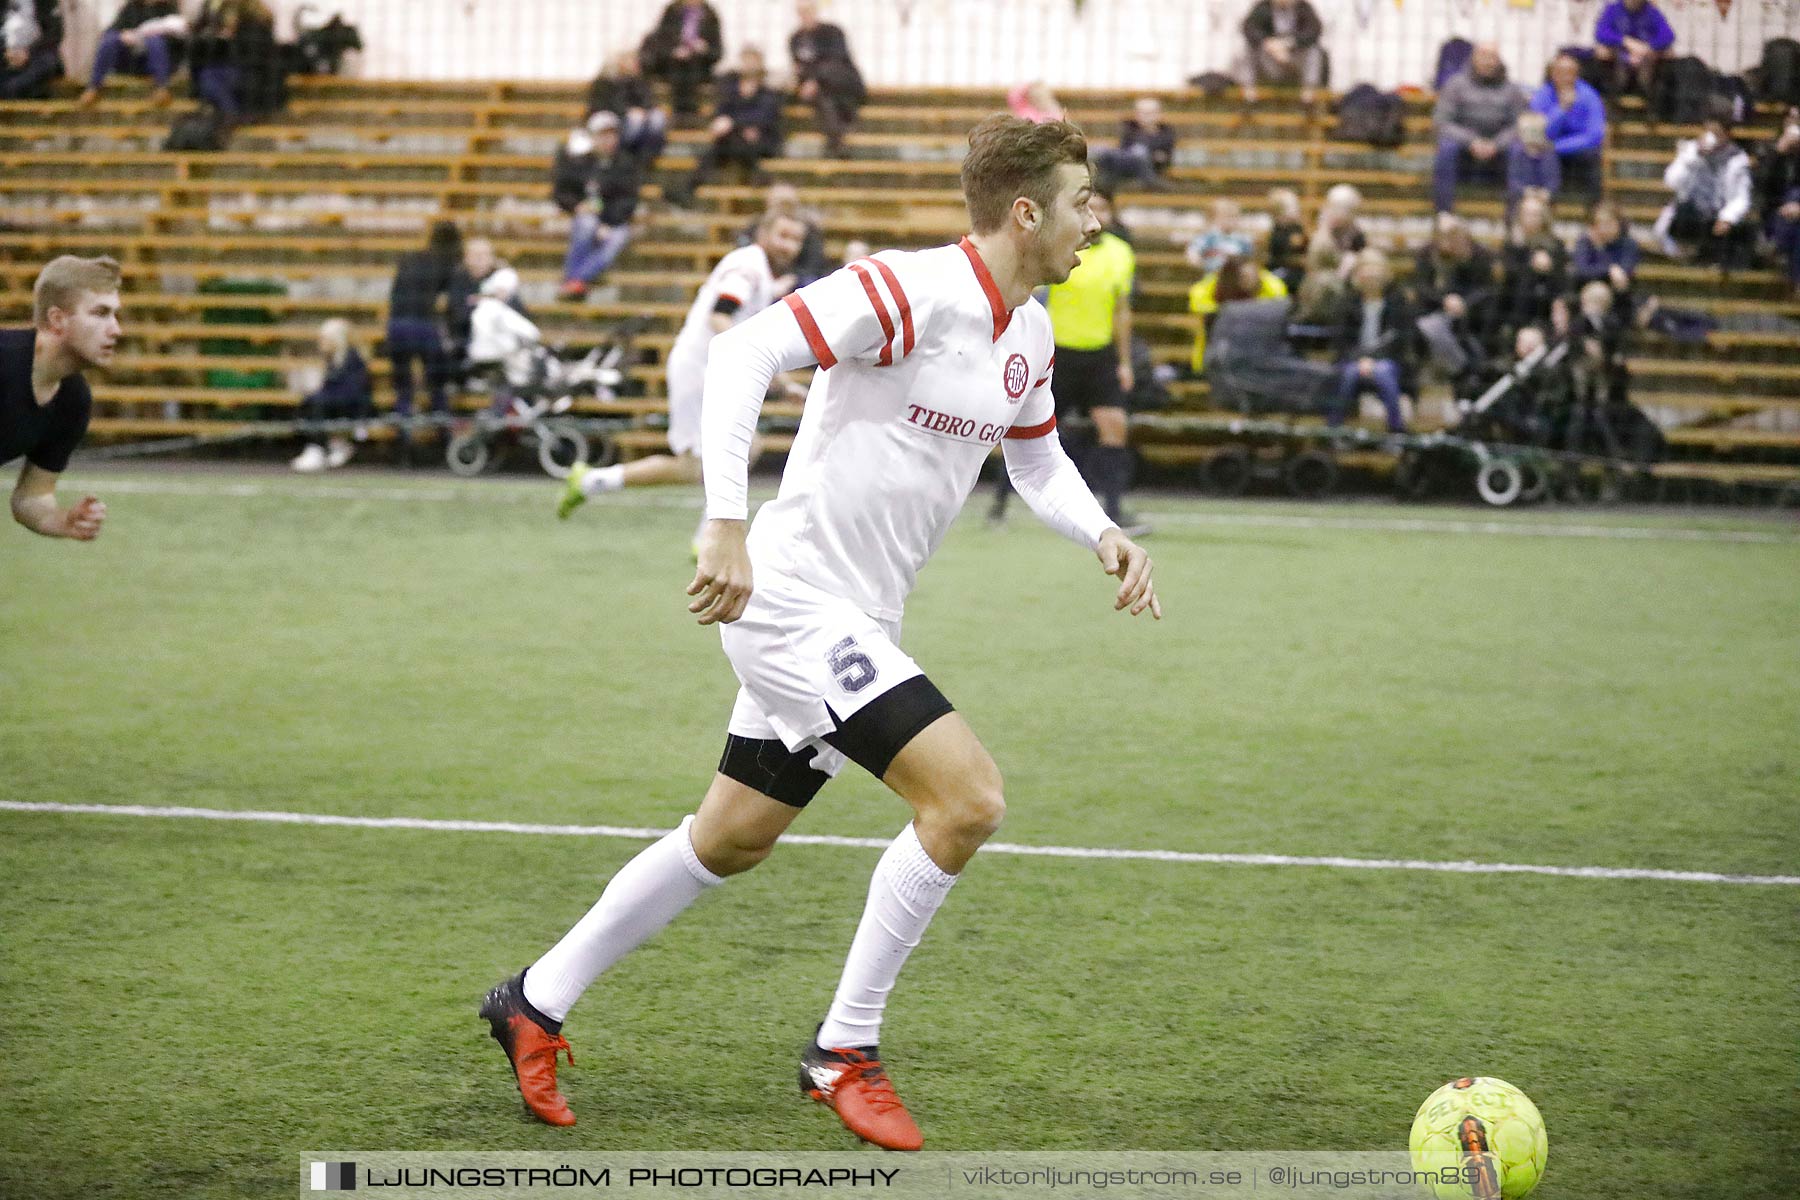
323 197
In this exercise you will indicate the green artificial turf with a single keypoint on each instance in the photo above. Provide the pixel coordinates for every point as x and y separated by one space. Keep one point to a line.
191 1004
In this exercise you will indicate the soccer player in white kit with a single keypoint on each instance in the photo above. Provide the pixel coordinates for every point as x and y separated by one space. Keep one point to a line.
929 359
740 285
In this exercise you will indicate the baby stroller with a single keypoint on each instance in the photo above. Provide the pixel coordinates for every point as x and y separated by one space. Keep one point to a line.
1252 366
533 388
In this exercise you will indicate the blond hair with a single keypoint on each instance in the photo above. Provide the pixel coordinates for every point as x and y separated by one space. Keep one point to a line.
63 282
335 333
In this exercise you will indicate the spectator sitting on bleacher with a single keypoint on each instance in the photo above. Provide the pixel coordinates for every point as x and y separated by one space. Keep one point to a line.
1531 162
1475 119
1778 184
233 58
1454 276
596 183
1034 102
811 264
343 395
502 340
1223 237
1600 380
1145 150
1239 278
1338 219
31 34
683 49
1534 266
1287 238
1630 39
1575 123
1711 181
1606 251
422 280
825 76
146 35
1330 256
622 90
745 128
1281 46
1373 341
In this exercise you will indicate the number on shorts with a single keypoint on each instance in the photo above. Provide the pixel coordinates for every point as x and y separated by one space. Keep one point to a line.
851 666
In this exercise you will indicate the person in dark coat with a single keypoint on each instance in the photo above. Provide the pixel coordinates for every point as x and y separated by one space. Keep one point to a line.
31 34
422 281
683 49
1454 275
1145 150
146 36
1606 251
746 124
596 183
1534 266
343 395
1281 45
1375 342
825 76
1777 179
233 58
622 90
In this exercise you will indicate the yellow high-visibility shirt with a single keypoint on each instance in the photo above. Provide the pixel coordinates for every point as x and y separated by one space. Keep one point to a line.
1082 307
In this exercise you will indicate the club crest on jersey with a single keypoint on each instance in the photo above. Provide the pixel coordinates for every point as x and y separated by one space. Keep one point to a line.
1018 374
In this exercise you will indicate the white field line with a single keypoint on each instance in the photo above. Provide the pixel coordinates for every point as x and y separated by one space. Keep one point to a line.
641 834
683 498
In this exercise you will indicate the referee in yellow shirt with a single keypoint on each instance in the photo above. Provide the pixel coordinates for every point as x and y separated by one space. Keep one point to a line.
1091 315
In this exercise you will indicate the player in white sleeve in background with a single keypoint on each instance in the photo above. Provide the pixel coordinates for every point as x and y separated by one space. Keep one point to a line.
741 284
928 360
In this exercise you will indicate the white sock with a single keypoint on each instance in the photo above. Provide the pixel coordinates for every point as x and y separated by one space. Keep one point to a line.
903 897
647 893
603 479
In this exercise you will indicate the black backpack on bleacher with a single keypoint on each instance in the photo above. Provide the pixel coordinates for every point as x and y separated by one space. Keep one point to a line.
1368 114
1780 74
205 130
1684 91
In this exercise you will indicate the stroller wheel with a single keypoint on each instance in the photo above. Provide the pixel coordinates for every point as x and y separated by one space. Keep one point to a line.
468 453
603 452
1412 476
1499 482
1310 475
1534 480
559 448
1227 473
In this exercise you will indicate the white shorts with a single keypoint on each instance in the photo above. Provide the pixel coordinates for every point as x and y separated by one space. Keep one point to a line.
797 650
687 385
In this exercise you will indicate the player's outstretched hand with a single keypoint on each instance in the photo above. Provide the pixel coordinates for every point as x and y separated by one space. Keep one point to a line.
722 584
83 520
1122 557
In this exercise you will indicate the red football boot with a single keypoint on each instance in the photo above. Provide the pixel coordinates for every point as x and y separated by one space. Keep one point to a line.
854 1085
530 1048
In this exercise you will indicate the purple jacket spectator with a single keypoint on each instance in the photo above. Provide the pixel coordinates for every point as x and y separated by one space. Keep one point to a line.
1646 25
1577 129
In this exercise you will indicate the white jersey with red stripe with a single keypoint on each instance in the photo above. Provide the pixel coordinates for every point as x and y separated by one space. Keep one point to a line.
743 275
924 372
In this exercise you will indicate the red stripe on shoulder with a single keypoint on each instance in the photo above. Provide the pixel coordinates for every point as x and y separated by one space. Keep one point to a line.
881 314
906 321
1032 431
814 339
